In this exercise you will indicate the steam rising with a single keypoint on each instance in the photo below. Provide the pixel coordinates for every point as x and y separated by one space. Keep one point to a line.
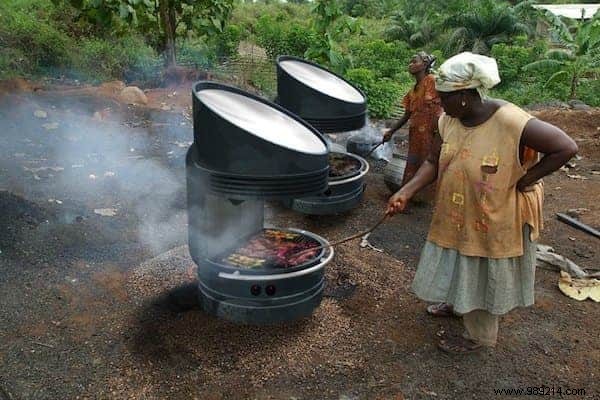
86 154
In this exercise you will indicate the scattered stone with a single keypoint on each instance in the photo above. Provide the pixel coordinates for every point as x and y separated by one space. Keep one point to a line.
40 114
184 145
55 201
106 212
108 174
576 176
576 212
112 86
52 126
579 105
133 95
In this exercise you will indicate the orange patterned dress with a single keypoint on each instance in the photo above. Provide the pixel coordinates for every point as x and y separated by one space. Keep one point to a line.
424 105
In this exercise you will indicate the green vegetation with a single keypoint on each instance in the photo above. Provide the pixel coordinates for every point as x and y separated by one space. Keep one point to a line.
542 58
575 57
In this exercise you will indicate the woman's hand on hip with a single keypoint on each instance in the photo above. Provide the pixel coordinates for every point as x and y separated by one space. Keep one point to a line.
524 185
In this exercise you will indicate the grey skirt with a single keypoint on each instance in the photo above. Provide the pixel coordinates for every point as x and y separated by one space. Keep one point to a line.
476 283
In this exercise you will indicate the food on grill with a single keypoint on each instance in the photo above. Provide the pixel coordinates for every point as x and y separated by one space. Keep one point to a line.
243 261
341 164
273 248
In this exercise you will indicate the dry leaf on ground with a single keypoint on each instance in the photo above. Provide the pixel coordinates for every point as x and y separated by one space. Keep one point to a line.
579 289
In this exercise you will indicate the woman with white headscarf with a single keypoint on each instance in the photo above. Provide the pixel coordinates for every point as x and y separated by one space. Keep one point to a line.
479 258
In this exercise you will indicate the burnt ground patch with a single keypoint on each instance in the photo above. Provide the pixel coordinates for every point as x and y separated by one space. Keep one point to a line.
88 311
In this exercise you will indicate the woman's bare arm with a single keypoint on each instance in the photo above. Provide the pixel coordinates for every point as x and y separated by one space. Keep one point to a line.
425 175
554 143
396 125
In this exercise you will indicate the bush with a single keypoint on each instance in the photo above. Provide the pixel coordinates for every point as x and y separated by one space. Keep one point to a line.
127 58
12 63
246 15
382 94
512 59
34 44
524 88
196 52
282 37
525 94
226 44
589 91
385 59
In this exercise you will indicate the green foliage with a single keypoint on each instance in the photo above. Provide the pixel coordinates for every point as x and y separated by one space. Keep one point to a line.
573 57
525 94
417 31
247 15
282 37
589 92
512 58
370 8
332 27
99 60
196 52
264 82
30 43
385 59
122 39
226 44
13 63
486 23
382 94
163 19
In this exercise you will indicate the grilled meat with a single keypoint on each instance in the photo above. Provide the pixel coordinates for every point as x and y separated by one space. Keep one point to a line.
273 248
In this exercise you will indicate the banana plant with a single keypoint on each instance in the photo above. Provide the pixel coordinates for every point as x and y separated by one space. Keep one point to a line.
332 27
574 57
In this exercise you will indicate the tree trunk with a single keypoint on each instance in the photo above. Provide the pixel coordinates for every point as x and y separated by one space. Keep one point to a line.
168 21
574 82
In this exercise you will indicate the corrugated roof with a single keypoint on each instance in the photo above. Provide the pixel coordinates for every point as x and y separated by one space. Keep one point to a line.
571 10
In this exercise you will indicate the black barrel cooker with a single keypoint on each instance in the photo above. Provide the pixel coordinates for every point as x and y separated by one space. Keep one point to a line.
247 150
331 104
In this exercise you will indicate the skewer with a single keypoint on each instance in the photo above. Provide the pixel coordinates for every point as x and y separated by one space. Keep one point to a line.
373 149
344 240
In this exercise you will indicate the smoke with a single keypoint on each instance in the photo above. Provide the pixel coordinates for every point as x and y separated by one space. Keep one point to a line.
369 134
109 159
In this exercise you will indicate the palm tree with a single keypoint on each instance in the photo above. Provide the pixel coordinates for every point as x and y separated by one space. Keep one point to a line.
413 30
485 25
574 56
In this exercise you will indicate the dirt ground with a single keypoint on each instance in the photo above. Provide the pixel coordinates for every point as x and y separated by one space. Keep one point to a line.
98 290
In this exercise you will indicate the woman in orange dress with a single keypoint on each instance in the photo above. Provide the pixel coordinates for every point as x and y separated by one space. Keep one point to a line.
422 108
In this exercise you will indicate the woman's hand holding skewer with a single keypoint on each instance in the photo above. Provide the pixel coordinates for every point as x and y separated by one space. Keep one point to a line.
397 203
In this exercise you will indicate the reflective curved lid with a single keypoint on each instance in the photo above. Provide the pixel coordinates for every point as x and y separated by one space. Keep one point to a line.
261 120
322 81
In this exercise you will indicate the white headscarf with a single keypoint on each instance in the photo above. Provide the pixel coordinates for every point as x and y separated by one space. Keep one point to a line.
467 71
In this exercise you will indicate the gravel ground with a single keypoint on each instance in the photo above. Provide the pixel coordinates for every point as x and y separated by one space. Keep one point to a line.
102 307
